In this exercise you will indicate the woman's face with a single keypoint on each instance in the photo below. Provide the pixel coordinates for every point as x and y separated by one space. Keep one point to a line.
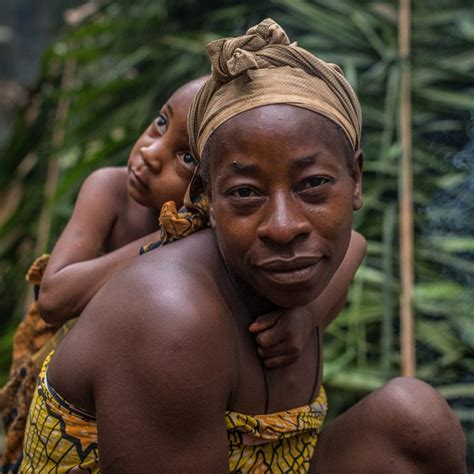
282 197
160 165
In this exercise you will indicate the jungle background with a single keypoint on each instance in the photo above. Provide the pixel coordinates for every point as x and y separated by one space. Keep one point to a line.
106 67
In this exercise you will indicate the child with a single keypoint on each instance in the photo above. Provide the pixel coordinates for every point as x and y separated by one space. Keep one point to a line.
116 213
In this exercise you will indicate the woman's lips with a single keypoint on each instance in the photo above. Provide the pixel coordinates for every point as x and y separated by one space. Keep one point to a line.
138 181
289 271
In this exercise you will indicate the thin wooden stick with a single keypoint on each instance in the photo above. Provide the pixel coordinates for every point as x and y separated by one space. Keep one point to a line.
57 141
407 274
52 176
72 17
388 303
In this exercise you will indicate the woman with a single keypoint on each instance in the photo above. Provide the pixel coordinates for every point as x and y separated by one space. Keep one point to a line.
113 209
278 132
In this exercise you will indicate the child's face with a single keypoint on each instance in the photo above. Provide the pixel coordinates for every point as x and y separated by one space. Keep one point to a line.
160 165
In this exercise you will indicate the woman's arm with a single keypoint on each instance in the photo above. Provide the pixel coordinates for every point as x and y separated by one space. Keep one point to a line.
76 271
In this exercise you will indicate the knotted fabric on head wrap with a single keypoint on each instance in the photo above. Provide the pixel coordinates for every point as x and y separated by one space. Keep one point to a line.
259 68
262 68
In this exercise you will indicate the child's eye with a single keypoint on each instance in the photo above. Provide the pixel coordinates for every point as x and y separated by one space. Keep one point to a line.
313 182
187 160
161 123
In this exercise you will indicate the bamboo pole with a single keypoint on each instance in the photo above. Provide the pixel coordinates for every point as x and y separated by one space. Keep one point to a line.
389 221
52 176
72 17
407 274
57 141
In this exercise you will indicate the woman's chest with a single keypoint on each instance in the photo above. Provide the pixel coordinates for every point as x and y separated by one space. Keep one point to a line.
260 390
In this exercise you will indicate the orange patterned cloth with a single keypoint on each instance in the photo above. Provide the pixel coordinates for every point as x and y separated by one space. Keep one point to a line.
15 397
176 224
36 271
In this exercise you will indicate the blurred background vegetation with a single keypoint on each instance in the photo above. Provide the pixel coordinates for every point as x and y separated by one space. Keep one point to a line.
114 62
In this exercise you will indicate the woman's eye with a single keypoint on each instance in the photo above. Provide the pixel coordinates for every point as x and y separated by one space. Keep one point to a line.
188 160
243 192
161 123
313 183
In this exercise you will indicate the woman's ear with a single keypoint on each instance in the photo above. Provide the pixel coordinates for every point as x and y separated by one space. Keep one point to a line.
212 221
357 168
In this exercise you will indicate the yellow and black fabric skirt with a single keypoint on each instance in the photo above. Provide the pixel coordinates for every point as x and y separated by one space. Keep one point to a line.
280 442
59 436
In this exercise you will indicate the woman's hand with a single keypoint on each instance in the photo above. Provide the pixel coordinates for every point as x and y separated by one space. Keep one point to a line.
282 335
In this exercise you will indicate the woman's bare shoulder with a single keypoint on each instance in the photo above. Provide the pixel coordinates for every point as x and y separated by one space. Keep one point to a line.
190 263
171 293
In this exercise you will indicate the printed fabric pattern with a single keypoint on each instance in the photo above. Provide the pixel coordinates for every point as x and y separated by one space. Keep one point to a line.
58 435
280 442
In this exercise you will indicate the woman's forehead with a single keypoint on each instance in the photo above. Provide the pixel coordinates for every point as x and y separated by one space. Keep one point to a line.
271 122
258 141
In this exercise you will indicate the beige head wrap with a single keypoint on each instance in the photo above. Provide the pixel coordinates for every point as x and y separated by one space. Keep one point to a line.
261 68
256 69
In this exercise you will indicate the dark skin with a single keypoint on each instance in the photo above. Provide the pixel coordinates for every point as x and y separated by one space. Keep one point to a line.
117 212
196 358
275 347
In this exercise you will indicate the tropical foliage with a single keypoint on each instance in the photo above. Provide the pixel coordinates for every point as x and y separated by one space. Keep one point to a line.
105 78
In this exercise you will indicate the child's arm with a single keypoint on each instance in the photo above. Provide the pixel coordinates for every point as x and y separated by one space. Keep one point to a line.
333 298
76 271
272 329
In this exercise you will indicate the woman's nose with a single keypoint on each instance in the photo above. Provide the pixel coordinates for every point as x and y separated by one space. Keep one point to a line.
283 221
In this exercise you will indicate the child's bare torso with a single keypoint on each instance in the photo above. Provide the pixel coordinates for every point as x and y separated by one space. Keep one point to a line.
132 220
